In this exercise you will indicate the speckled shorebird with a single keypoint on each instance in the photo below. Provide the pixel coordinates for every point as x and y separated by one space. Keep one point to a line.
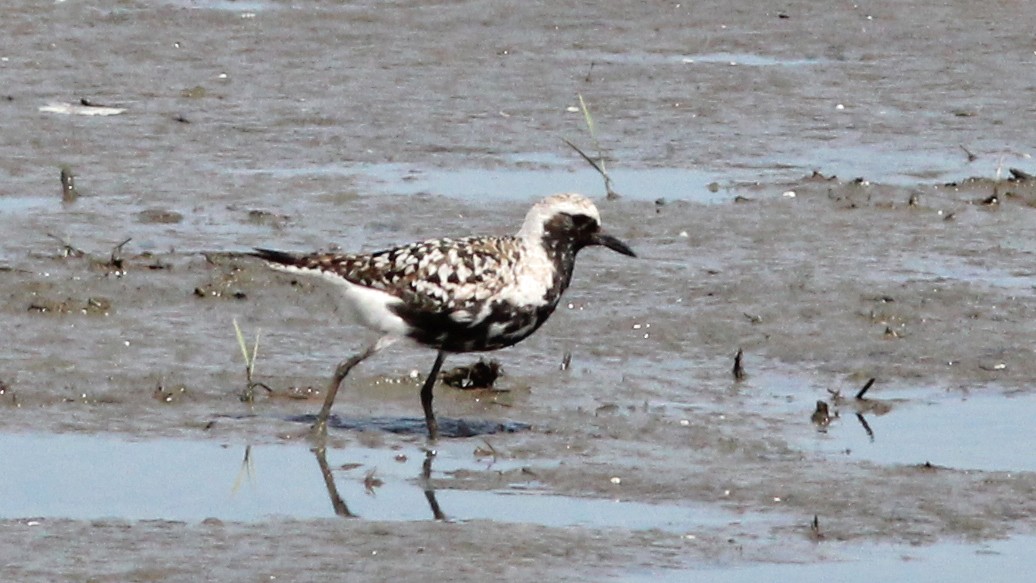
458 295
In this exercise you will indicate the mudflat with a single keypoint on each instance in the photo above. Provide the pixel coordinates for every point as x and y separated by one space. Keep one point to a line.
842 192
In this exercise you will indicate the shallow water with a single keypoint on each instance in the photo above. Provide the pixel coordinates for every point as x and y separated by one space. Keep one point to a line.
961 429
515 184
524 184
966 433
58 476
951 562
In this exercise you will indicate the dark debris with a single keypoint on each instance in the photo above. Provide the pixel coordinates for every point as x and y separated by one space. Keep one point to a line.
480 375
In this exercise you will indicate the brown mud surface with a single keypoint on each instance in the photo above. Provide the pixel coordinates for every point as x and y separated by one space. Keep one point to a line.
308 125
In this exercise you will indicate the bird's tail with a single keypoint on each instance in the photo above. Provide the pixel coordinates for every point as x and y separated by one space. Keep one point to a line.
277 257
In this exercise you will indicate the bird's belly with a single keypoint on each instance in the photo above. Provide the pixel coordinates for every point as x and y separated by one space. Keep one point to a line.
504 326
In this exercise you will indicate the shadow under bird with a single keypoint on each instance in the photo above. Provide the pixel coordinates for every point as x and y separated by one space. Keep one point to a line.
457 295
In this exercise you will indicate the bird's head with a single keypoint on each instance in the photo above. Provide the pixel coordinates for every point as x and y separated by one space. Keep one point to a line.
569 219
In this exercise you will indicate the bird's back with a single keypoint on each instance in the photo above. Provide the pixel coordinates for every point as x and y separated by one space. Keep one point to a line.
439 274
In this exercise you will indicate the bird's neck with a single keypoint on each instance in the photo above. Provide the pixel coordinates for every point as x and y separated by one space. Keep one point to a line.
553 260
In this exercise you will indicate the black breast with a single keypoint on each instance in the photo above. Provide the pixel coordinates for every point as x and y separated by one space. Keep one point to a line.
506 324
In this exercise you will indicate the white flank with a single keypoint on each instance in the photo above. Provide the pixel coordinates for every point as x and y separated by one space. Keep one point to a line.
369 307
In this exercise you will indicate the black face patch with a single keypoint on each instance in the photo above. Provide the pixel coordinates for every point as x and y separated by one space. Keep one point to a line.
565 230
564 235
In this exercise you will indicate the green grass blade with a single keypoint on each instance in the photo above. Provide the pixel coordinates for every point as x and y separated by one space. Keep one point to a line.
255 352
241 343
586 116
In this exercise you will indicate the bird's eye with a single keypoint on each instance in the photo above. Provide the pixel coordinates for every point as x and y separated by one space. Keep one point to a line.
581 222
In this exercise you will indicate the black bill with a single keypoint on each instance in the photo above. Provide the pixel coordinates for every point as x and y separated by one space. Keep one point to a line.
613 244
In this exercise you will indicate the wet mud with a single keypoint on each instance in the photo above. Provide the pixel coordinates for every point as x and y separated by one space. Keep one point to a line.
826 189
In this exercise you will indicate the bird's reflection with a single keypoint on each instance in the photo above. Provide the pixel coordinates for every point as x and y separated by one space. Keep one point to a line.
342 509
860 404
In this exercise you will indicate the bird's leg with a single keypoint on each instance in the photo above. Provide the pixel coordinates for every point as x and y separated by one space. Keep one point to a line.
426 397
320 425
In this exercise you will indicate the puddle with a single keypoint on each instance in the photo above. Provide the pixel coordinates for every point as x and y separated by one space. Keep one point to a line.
87 477
990 433
247 6
17 204
749 60
974 272
949 562
545 173
448 427
519 183
639 184
873 162
984 431
720 58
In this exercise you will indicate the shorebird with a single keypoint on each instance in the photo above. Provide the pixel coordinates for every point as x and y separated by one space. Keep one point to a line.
457 295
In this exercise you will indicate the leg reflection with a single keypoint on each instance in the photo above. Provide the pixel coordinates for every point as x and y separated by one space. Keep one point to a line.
429 491
866 426
329 482
339 505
